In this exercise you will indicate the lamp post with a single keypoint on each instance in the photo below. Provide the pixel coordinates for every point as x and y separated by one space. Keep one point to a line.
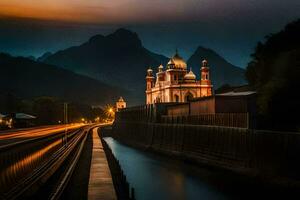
66 121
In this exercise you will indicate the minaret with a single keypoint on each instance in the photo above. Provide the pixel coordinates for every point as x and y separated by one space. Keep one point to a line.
205 79
160 74
150 84
150 79
206 89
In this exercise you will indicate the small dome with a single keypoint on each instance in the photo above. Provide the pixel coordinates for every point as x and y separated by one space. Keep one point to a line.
190 76
149 72
204 63
121 99
171 62
160 68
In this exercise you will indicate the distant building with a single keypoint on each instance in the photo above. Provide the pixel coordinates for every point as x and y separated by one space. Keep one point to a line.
229 102
176 84
1 119
19 120
120 104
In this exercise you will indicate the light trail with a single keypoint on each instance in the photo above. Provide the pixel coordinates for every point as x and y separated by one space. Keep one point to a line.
38 132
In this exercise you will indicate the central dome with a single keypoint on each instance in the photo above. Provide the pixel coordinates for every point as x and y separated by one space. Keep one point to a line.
177 62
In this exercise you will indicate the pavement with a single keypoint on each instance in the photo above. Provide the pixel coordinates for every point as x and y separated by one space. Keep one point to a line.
100 181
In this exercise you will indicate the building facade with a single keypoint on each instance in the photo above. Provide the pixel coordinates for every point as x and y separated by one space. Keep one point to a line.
120 104
176 84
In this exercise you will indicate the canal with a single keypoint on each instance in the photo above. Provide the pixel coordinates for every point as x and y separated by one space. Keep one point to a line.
159 177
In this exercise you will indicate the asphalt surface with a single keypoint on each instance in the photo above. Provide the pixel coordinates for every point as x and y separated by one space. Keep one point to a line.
77 188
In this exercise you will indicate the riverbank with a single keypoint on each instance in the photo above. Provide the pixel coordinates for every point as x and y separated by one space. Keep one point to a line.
267 157
157 176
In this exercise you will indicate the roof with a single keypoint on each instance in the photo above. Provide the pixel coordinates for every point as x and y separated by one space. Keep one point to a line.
24 116
177 61
121 99
1 116
232 93
227 94
190 75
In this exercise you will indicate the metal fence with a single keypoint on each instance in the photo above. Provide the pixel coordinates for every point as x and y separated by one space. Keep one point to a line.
158 114
240 120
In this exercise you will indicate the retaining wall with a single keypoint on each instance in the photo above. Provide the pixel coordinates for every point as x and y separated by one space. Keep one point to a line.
260 153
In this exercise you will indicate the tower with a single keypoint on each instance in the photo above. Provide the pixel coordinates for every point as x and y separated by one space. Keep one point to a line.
205 79
150 79
160 75
149 85
120 104
205 82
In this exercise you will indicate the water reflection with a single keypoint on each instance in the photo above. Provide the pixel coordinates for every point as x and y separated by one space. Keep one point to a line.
155 177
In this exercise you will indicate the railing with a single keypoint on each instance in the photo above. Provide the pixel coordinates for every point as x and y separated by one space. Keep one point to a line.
144 113
240 120
122 187
158 114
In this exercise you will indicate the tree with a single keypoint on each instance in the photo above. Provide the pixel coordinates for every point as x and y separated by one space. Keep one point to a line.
275 72
48 110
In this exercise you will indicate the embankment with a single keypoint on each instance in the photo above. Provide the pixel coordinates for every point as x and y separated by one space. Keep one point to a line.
273 156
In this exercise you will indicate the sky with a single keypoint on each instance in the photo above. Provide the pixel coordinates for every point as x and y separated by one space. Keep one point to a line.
230 27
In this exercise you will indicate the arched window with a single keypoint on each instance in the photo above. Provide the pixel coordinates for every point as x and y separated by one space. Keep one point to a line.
176 97
157 100
189 96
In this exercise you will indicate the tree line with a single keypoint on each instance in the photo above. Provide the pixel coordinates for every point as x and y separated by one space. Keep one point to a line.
49 110
275 74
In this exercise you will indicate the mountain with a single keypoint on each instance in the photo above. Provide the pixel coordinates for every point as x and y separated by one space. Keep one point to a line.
26 78
44 57
118 59
222 72
31 58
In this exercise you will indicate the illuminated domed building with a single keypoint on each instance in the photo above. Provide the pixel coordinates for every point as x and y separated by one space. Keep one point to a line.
176 84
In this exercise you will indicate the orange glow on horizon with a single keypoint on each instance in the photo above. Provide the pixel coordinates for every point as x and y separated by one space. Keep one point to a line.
91 11
45 13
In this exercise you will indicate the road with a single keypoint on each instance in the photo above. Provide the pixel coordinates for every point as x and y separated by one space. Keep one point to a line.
19 136
40 161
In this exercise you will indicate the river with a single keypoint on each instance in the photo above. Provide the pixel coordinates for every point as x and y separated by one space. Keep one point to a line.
156 177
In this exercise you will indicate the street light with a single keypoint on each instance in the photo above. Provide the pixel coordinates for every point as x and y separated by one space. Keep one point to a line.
66 121
97 119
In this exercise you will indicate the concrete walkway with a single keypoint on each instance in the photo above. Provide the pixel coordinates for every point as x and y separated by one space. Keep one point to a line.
100 182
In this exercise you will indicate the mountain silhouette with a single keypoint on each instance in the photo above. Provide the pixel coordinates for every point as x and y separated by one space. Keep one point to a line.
120 59
117 59
26 78
44 56
222 72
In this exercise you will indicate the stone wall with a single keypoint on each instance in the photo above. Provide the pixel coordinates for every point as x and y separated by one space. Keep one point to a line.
267 154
